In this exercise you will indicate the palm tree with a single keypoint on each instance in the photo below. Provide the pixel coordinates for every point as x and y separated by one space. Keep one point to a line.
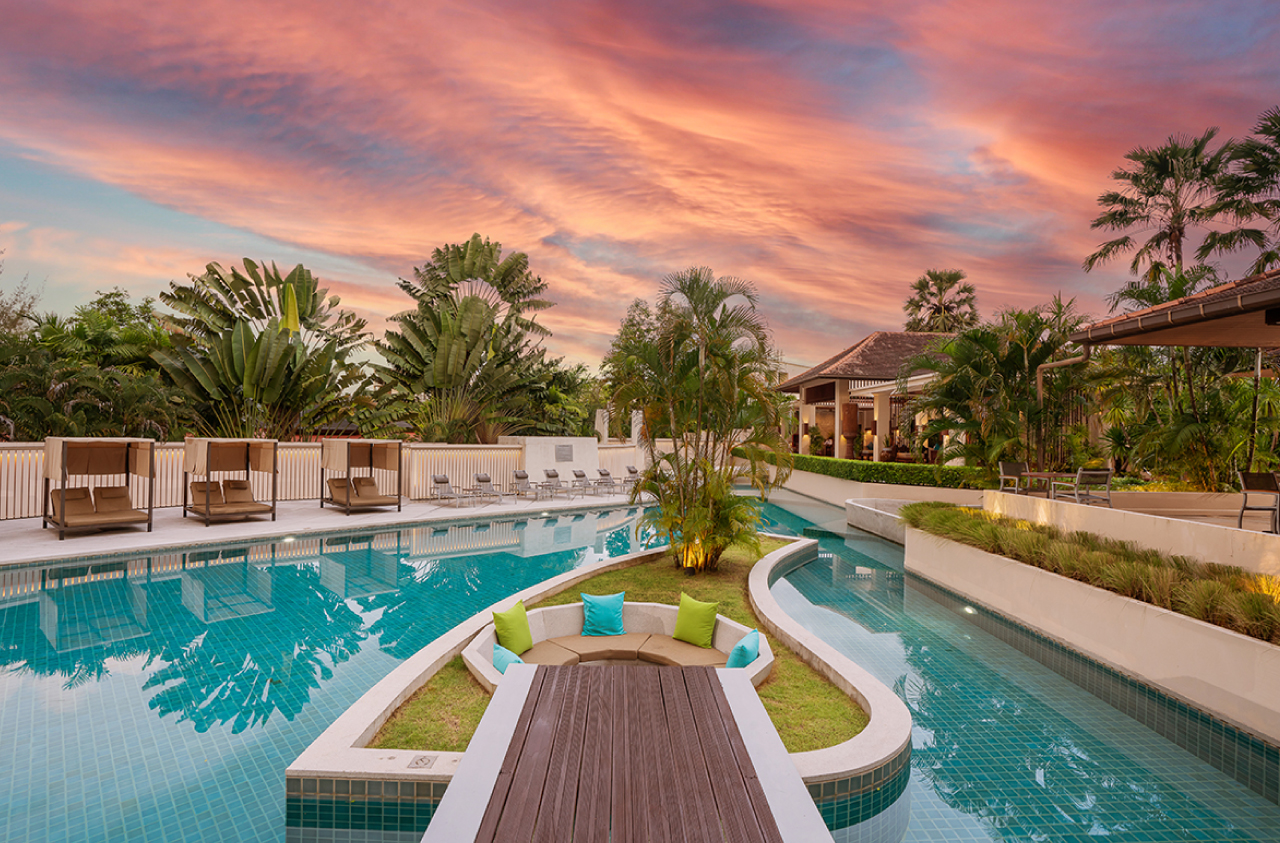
704 380
939 302
1167 190
1251 192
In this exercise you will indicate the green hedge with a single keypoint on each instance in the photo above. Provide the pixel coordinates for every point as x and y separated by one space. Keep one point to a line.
902 474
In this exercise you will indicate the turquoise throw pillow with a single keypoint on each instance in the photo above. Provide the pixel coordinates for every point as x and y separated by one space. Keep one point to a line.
695 621
602 614
512 627
504 658
746 650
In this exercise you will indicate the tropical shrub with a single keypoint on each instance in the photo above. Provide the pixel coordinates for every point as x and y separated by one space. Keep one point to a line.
703 380
902 474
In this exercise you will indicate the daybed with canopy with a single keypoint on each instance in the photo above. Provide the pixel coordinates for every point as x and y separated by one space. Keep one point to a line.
230 498
70 508
348 492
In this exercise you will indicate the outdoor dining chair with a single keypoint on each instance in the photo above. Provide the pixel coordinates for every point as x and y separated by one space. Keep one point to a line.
1011 479
1081 488
1260 483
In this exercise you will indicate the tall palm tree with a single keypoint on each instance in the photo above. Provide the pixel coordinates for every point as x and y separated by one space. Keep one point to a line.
939 302
1251 194
1168 190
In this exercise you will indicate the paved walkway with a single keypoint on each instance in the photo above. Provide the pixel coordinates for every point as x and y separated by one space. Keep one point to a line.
22 541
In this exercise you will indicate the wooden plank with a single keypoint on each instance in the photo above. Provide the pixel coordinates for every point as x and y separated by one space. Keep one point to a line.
620 815
755 791
560 796
498 799
736 812
521 813
591 824
693 786
664 816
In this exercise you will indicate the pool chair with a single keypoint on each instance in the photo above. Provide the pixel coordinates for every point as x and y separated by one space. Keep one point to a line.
442 491
607 484
484 488
553 485
522 487
632 478
581 483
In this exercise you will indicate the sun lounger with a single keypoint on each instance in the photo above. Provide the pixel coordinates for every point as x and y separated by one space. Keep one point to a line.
522 487
108 506
553 485
607 482
484 488
632 478
357 493
581 483
443 491
211 499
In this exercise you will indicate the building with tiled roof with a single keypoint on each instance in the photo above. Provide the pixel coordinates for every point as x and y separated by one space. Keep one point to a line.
853 398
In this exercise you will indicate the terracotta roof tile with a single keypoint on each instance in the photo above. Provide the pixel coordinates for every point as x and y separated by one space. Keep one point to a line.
878 357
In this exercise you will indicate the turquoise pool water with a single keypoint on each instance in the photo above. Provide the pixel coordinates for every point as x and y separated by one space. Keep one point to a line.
160 698
1003 747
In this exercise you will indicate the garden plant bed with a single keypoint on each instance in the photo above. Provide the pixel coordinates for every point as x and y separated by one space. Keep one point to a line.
1218 594
807 710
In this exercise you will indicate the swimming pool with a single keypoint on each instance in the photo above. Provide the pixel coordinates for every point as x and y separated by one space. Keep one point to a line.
161 697
1003 748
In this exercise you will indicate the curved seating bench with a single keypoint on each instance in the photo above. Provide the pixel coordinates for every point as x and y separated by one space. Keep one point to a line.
558 640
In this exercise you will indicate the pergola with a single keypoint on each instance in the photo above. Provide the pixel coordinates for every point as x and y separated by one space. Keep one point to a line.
860 387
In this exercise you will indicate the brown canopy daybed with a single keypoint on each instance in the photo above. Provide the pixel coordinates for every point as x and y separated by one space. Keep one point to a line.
71 508
230 498
348 492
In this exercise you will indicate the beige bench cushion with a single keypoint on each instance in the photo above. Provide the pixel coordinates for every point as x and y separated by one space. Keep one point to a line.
79 504
592 647
548 652
237 491
198 489
663 649
102 519
112 499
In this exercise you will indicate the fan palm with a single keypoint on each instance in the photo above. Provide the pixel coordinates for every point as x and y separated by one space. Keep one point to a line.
1251 194
1168 190
939 302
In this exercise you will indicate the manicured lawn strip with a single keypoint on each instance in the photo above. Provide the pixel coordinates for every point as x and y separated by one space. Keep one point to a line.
808 711
1219 594
442 715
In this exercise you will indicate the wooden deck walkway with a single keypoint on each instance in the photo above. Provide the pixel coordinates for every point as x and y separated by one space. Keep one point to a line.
623 754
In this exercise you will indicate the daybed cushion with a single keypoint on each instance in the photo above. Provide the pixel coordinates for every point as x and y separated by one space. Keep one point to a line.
366 487
247 508
78 502
602 614
338 489
663 650
237 491
512 627
504 658
112 499
745 651
695 621
548 652
593 647
103 519
198 490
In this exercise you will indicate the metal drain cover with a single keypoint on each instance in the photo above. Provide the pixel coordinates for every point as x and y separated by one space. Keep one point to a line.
422 762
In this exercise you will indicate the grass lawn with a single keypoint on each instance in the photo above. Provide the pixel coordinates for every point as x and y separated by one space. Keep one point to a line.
807 710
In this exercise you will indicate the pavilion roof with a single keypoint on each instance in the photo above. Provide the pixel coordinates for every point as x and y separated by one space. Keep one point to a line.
1238 314
878 357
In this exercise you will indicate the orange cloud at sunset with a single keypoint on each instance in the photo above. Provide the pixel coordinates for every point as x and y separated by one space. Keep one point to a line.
830 152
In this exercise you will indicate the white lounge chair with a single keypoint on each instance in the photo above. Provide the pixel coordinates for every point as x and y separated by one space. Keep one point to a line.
522 486
443 491
553 485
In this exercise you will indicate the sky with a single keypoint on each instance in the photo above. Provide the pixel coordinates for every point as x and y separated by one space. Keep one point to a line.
830 151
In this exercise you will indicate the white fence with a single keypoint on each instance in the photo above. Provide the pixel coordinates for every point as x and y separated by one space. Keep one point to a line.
22 466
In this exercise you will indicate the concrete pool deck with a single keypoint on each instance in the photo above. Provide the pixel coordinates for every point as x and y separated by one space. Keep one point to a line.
24 543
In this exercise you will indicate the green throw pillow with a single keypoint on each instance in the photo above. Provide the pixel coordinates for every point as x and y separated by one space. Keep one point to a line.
513 628
696 621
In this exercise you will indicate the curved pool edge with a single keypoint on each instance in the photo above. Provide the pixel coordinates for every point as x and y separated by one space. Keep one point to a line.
880 752
341 753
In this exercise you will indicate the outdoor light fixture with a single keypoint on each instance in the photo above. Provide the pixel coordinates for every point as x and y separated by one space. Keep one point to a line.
289 539
969 610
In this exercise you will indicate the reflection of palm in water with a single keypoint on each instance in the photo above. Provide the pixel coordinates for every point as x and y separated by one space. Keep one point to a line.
236 673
